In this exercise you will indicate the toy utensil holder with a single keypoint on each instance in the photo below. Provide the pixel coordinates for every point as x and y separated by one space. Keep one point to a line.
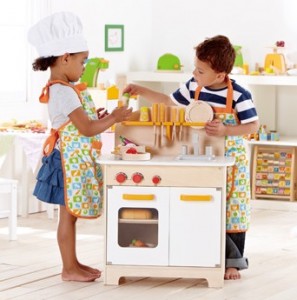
144 134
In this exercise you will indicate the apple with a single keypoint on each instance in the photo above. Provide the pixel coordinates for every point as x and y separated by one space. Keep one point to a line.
280 44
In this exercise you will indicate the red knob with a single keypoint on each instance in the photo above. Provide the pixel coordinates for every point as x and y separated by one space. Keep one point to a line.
121 177
156 179
137 177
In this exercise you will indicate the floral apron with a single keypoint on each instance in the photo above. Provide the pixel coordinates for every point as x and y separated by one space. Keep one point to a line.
83 184
238 177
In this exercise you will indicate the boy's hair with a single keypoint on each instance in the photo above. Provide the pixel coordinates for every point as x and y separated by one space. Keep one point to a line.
218 52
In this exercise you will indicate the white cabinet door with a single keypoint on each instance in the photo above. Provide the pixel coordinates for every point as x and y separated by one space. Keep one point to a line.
195 227
120 232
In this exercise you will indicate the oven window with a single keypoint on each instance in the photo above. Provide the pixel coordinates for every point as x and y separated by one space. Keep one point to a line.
138 227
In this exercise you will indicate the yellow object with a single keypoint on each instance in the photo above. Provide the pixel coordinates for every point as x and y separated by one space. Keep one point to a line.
195 197
138 196
255 73
144 114
136 213
275 61
245 69
112 93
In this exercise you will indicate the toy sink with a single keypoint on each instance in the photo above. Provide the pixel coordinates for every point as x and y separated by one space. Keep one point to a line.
196 157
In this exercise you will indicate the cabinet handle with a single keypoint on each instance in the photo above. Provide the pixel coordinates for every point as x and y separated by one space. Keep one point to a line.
138 196
195 197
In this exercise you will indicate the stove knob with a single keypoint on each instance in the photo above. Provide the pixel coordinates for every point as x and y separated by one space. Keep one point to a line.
137 177
121 177
156 179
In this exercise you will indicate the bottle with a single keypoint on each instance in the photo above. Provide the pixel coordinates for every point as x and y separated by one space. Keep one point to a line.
125 99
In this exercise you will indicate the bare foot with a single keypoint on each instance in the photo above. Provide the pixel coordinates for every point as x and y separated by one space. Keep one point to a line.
90 270
232 273
78 274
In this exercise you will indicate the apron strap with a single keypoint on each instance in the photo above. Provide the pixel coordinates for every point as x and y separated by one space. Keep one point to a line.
229 98
44 97
50 142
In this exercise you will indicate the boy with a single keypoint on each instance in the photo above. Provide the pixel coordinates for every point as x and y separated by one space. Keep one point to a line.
235 116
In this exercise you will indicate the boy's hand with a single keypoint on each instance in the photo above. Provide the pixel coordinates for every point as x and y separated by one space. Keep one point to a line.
215 128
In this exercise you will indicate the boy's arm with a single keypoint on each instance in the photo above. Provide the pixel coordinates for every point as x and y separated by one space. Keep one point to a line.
217 128
150 95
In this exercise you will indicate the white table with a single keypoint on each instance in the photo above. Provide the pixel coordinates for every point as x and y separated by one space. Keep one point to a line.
20 157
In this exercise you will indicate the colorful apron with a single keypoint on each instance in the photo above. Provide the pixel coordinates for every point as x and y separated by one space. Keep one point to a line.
238 177
83 184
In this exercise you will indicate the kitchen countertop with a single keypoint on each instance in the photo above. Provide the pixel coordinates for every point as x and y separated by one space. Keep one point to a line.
219 161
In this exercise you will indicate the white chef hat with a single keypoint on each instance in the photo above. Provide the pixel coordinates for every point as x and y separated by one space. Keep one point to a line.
58 34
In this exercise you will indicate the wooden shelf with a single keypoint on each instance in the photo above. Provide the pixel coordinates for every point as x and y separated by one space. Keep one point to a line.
154 76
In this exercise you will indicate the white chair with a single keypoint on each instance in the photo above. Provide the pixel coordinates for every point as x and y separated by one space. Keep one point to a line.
9 186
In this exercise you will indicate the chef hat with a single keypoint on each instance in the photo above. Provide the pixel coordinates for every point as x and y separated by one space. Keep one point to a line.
58 34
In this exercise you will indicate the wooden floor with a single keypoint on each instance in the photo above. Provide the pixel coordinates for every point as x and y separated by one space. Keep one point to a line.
30 266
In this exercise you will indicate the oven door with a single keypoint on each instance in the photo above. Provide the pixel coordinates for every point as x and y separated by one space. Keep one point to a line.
137 225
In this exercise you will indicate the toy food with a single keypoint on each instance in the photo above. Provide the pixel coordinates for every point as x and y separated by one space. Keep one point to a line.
136 213
137 243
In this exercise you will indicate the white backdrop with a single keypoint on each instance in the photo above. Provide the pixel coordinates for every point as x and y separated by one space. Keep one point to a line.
155 27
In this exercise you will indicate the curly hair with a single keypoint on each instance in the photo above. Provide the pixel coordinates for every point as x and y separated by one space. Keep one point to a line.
43 63
218 52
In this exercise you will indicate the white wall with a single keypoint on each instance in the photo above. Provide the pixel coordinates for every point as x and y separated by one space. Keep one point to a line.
154 27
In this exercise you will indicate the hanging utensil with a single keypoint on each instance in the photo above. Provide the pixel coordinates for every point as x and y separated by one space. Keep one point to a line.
181 121
161 120
173 120
168 122
154 120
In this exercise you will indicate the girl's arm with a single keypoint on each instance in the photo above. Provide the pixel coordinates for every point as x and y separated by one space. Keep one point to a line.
89 127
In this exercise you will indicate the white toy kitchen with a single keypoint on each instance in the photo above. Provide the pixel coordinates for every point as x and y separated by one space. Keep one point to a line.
165 212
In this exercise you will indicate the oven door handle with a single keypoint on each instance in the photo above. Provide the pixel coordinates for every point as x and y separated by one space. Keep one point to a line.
138 196
184 197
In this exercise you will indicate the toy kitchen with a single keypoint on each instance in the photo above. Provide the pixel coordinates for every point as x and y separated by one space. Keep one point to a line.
165 190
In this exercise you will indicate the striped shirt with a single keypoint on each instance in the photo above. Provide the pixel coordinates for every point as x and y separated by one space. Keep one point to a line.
243 104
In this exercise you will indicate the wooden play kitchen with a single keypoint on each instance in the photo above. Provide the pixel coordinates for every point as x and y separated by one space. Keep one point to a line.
165 216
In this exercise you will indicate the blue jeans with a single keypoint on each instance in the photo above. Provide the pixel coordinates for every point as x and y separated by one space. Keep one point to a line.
234 251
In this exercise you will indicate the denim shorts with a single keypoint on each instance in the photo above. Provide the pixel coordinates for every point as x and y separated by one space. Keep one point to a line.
50 182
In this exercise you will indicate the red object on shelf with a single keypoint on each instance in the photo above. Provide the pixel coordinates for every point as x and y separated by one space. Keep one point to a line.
156 179
137 177
121 177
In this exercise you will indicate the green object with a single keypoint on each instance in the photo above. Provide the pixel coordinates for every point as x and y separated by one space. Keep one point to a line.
238 58
169 62
92 69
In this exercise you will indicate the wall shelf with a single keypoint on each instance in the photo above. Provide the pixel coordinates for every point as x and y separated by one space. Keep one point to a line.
179 77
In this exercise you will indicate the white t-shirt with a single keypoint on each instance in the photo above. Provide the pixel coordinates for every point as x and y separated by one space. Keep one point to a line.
63 100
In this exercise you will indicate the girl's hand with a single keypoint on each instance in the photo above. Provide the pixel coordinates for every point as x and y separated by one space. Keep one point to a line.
102 112
122 113
215 128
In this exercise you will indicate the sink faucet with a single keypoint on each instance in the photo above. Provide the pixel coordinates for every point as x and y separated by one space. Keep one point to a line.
195 141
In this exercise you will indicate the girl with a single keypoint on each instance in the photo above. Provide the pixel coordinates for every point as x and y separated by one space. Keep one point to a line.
69 175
